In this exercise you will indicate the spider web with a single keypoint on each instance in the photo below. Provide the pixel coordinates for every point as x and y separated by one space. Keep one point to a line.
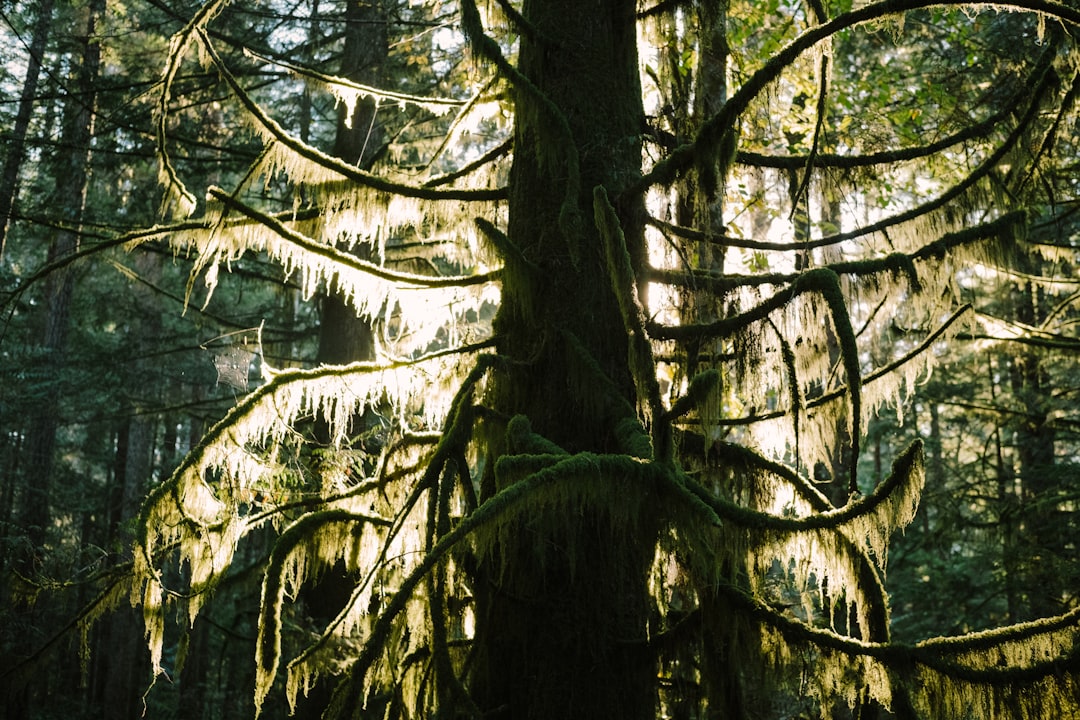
232 364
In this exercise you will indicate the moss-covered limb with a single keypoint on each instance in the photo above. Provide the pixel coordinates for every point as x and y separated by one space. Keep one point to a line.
895 364
905 467
1017 632
624 284
827 284
1009 225
468 491
886 157
490 156
523 26
511 469
450 691
870 377
1041 87
132 239
268 638
686 156
801 633
743 458
345 259
520 439
787 355
632 438
1068 663
724 327
821 280
178 47
118 581
310 73
457 432
819 124
485 47
677 486
1065 110
510 253
898 657
350 692
904 661
456 435
619 405
218 433
438 512
336 165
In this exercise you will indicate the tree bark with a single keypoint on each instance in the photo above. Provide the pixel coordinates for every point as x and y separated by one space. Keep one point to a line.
72 173
17 145
343 336
562 604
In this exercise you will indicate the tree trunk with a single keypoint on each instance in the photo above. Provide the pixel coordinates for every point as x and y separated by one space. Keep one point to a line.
1044 537
126 654
562 602
70 197
343 336
17 145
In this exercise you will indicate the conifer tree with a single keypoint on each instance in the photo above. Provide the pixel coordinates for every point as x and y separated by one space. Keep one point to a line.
571 514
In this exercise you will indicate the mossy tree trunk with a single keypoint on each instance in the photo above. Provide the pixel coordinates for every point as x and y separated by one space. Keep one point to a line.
562 603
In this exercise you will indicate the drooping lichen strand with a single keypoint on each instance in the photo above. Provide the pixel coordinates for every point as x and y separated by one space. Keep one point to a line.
787 354
701 386
827 284
624 285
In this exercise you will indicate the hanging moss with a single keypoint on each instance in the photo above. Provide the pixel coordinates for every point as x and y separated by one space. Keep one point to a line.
294 558
624 285
701 386
633 439
827 283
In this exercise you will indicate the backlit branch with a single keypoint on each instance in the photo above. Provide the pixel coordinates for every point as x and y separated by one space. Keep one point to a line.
331 163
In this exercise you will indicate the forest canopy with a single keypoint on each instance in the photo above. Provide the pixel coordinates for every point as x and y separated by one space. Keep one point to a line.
540 359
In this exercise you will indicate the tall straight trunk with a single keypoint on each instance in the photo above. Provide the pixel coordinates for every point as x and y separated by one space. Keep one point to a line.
16 148
562 601
1044 534
71 170
125 674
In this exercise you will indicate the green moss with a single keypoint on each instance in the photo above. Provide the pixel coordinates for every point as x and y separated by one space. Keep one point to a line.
697 393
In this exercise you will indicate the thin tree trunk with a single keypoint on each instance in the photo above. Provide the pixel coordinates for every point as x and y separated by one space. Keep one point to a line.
17 145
